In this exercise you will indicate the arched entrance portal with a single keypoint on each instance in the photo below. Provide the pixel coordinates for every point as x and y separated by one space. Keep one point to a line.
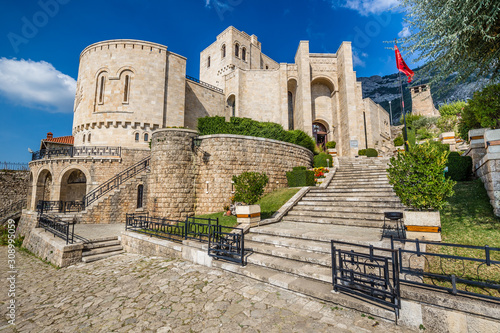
320 133
73 185
43 186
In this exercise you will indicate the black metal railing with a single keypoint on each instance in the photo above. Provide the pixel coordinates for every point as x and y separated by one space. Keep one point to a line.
116 181
14 166
12 208
58 227
43 206
223 242
477 276
76 152
372 274
209 86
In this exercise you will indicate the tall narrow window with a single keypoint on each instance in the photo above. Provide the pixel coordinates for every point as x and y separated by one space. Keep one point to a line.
101 90
140 192
208 62
244 54
223 51
136 136
89 137
237 50
146 137
84 138
126 89
290 111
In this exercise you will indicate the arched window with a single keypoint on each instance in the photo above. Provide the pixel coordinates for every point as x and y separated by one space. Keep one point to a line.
89 137
231 103
101 89
84 138
267 66
223 51
244 54
146 137
136 136
140 192
208 62
237 50
126 89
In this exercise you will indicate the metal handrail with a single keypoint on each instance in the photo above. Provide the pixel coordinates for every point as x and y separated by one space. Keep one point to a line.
209 86
58 227
116 181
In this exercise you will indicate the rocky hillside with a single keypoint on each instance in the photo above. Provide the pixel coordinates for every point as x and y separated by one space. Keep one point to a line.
383 89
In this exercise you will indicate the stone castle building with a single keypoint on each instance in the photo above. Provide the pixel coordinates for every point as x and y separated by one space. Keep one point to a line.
132 92
422 103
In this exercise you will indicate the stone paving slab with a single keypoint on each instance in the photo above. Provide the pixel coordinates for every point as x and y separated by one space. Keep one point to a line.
133 293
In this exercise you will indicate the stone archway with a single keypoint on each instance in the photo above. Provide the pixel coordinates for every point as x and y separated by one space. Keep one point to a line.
320 133
73 185
231 104
44 186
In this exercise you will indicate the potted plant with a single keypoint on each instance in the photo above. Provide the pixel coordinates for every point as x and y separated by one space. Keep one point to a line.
330 147
249 187
418 178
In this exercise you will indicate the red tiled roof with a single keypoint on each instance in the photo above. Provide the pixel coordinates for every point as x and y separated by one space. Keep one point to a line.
67 140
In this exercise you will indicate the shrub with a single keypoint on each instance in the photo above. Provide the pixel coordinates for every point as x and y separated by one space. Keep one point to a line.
410 118
299 168
331 145
424 122
399 141
362 152
418 179
441 147
247 126
249 186
452 109
448 123
454 154
320 160
423 134
370 152
459 167
300 178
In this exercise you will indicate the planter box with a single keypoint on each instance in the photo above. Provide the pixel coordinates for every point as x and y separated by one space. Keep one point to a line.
422 225
476 137
492 141
332 151
447 137
248 214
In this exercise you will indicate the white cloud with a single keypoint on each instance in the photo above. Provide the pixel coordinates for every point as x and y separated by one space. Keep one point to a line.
366 7
357 58
37 85
405 32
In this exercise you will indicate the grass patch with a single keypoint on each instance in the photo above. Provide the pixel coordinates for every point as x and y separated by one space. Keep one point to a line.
226 221
468 219
273 201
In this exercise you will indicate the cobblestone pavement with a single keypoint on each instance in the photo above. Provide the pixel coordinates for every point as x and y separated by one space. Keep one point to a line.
132 293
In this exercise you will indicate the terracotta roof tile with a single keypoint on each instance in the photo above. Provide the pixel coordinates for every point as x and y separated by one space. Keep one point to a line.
67 140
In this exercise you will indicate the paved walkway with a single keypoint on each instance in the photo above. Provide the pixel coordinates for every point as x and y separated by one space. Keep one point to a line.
96 231
132 293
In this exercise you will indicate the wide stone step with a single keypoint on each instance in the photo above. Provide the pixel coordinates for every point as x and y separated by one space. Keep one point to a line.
338 215
365 223
109 241
291 253
302 269
101 250
96 257
385 205
323 247
353 186
300 207
361 195
348 172
361 181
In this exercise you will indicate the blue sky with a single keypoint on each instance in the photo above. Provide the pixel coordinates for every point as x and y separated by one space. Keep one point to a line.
41 42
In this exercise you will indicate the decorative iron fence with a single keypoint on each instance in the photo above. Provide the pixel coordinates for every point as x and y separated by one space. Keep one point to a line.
445 269
367 275
116 181
223 242
76 152
14 166
209 86
56 226
60 206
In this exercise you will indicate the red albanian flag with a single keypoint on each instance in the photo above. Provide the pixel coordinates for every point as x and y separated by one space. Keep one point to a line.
402 66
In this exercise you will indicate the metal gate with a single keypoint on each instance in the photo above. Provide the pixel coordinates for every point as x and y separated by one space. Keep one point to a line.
371 273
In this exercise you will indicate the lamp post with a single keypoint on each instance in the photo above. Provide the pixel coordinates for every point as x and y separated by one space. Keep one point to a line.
390 111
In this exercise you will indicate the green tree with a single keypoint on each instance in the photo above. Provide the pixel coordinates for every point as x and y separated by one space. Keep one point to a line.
452 109
457 36
482 111
417 177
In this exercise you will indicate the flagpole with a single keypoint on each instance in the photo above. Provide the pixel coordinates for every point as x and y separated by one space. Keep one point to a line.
405 134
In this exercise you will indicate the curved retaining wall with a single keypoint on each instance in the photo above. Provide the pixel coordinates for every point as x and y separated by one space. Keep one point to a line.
223 155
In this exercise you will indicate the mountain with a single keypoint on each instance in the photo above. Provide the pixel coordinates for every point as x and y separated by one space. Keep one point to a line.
382 89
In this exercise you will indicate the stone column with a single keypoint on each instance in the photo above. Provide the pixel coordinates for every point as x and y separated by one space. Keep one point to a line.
170 190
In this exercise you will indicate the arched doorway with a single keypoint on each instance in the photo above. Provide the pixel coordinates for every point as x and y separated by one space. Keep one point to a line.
43 186
320 133
231 104
73 185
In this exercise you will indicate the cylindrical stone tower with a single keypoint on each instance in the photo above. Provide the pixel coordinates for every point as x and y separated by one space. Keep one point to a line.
171 183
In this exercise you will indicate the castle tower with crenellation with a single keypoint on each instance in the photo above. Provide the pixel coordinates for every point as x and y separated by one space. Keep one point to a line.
422 104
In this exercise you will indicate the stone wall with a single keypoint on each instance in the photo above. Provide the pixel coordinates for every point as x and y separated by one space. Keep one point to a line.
201 102
13 186
222 156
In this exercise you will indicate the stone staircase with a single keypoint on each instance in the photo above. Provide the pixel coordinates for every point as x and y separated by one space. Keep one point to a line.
101 248
296 252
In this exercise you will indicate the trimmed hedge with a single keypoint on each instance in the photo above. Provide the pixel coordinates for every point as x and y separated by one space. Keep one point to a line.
299 177
299 168
250 127
459 167
331 145
362 152
399 141
320 160
370 152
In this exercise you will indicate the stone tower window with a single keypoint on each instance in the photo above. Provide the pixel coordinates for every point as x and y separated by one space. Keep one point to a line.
237 50
101 89
223 51
126 89
89 137
146 137
244 54
84 138
136 136
208 61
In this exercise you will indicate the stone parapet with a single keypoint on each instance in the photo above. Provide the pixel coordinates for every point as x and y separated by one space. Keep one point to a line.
488 169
